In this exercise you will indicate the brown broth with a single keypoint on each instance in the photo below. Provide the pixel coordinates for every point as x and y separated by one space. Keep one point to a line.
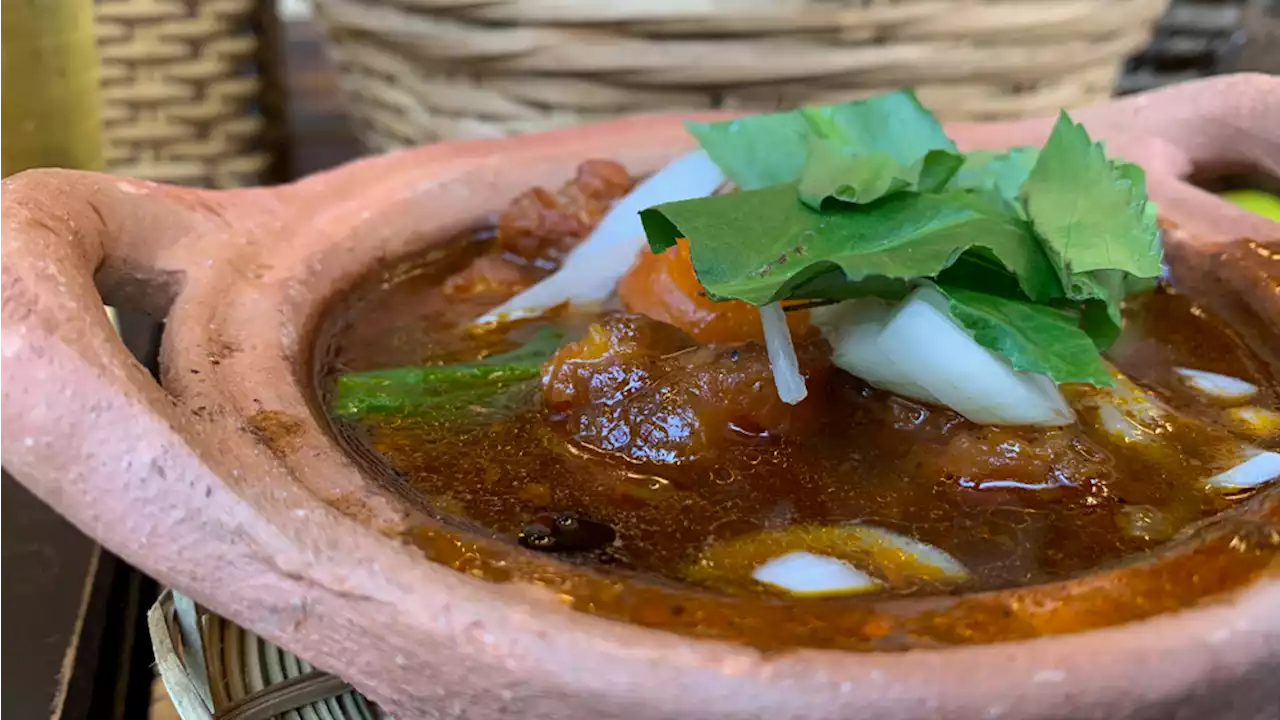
873 459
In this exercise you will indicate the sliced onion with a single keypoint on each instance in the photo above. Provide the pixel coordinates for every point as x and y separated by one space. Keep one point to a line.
1133 416
852 328
1259 467
928 561
894 560
804 573
590 272
1128 413
922 342
1257 421
1217 386
782 354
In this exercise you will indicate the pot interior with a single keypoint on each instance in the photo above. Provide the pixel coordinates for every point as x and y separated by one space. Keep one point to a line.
1109 537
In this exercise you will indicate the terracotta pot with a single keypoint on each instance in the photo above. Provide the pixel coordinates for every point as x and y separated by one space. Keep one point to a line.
223 484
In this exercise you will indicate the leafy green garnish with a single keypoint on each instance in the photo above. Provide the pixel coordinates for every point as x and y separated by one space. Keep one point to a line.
498 383
892 131
757 151
1093 218
1090 212
1032 337
1035 248
793 247
1004 172
833 176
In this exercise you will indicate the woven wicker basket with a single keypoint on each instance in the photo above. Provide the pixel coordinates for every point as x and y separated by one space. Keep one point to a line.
181 91
216 670
417 71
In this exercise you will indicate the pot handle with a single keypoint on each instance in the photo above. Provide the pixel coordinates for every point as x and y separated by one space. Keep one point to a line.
90 431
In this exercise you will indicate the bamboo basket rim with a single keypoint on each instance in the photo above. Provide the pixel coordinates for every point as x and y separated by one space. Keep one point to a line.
190 644
420 71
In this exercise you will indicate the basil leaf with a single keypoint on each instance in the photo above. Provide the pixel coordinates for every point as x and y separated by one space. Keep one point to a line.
1032 337
765 245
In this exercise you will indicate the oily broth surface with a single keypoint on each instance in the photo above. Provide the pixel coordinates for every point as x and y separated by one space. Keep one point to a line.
871 459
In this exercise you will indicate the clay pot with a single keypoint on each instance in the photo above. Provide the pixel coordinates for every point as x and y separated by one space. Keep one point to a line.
223 484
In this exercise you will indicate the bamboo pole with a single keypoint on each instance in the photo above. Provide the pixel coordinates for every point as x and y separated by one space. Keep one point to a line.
50 103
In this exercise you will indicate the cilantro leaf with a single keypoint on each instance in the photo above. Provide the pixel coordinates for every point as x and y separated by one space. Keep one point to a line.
1031 337
765 245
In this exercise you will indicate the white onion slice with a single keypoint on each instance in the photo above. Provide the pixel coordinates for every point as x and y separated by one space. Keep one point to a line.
890 559
782 354
1259 467
1257 421
1131 415
852 328
941 565
590 272
933 351
1128 413
804 573
1217 386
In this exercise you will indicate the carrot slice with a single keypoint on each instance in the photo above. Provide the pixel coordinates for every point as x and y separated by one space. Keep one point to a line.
664 287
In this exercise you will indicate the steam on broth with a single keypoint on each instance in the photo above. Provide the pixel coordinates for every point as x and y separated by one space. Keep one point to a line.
837 420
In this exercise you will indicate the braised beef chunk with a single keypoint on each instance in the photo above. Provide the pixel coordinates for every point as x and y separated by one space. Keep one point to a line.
536 231
491 274
642 389
541 226
995 458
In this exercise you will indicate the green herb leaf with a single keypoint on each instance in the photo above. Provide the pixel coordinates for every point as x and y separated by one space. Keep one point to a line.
763 150
1031 337
501 383
1091 213
1004 172
829 175
1036 248
756 151
765 245
894 123
1095 222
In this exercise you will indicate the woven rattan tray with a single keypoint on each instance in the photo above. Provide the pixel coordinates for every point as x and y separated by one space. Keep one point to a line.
216 670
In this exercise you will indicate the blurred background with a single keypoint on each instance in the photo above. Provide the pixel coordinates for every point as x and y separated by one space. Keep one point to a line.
227 93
